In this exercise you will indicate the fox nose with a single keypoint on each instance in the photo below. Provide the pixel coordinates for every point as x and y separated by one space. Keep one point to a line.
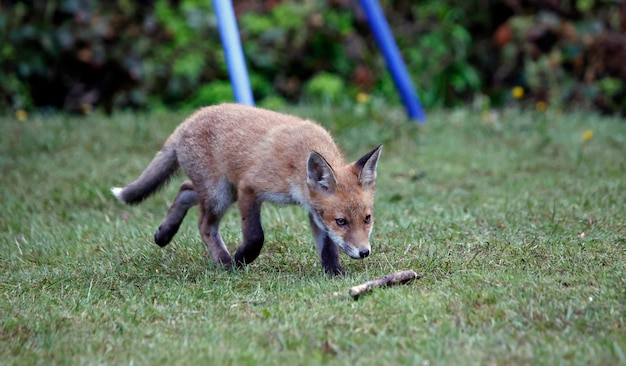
364 253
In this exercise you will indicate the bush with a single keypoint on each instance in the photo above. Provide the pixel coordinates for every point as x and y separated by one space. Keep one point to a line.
124 54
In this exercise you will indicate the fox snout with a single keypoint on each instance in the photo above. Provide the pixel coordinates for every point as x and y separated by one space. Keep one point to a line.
359 252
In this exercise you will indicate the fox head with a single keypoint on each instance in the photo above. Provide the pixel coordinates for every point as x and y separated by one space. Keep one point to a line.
342 200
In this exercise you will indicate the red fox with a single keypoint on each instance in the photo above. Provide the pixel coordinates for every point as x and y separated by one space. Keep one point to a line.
232 152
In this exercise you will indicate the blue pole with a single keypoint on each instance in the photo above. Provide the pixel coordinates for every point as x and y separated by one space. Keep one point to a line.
395 65
229 34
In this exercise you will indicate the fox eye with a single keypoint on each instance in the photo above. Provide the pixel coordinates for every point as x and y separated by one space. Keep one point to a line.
341 221
368 218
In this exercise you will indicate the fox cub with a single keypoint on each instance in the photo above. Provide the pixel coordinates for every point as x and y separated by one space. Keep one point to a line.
232 152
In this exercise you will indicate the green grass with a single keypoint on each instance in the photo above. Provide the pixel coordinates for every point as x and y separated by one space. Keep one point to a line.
491 210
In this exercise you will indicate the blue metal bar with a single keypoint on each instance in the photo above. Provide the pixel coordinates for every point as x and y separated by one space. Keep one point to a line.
395 64
229 34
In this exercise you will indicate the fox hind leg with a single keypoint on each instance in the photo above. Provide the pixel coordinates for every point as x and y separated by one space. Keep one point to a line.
213 206
209 230
185 199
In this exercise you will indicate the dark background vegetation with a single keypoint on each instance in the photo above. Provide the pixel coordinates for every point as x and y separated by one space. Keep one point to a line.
77 55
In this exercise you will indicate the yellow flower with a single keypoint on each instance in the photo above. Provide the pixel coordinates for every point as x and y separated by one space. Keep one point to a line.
518 92
541 106
362 98
587 135
86 108
21 115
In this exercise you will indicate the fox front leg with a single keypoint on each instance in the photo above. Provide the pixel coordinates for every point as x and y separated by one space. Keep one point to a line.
327 250
251 229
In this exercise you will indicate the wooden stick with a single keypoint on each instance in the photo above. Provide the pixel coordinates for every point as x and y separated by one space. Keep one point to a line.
388 280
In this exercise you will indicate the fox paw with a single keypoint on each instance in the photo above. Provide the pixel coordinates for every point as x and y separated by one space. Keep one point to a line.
165 234
336 270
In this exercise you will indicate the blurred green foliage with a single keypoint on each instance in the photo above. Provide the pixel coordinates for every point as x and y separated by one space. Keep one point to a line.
442 54
81 54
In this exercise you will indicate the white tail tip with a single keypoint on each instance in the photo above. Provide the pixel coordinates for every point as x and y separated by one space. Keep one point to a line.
117 192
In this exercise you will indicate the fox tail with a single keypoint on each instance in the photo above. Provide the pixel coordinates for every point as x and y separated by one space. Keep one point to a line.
157 174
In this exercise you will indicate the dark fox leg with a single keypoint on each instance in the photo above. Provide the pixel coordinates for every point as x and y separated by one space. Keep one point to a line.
185 199
252 231
327 250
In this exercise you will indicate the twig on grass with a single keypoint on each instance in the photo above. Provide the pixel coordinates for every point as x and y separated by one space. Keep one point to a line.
388 280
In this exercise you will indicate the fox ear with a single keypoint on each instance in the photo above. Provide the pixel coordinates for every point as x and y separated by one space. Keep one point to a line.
320 175
366 166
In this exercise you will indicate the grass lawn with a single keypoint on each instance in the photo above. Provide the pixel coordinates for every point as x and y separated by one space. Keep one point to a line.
516 221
